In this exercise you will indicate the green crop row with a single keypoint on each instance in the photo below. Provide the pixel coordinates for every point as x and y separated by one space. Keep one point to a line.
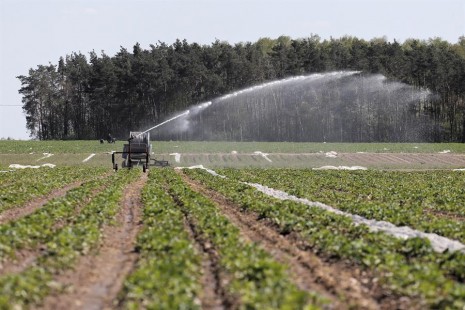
80 236
406 267
40 226
21 186
257 280
167 275
415 199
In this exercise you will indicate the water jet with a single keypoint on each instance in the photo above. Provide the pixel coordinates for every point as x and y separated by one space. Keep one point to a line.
340 106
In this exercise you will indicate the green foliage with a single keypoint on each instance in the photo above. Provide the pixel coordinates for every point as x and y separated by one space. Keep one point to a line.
257 280
406 267
85 98
21 186
39 226
430 201
81 234
167 275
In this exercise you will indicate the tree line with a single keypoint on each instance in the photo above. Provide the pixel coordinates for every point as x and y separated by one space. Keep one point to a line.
87 97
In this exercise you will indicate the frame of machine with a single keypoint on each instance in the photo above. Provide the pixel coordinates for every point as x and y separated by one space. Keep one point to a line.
137 152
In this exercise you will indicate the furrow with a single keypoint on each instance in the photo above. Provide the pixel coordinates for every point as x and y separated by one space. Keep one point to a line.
308 271
96 280
214 295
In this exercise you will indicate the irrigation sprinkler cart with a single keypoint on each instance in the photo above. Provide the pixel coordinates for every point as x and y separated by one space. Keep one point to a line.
137 152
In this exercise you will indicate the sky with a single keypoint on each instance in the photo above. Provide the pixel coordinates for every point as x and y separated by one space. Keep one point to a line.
34 32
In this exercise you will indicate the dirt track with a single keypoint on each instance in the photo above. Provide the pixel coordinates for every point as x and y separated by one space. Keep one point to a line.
96 280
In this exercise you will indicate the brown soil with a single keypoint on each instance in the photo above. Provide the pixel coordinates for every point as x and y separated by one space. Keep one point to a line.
28 208
214 280
19 212
214 295
22 260
446 214
60 223
344 285
96 280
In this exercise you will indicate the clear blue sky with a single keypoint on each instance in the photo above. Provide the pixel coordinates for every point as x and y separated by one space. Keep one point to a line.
34 32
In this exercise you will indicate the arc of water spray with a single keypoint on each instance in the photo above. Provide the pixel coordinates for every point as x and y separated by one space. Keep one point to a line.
204 105
167 121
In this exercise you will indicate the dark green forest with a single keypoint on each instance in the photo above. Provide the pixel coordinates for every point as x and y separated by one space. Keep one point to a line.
89 96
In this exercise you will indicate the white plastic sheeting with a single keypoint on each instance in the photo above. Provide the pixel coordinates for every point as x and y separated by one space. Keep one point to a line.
438 243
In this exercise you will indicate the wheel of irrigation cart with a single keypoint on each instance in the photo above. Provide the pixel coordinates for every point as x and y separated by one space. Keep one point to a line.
144 168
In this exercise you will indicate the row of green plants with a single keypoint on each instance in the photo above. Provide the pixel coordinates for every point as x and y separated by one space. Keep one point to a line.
167 275
257 281
20 186
405 267
40 226
431 201
80 235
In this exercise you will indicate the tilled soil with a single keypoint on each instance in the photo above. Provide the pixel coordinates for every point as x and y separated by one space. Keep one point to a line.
96 280
214 295
19 212
36 203
345 286
25 258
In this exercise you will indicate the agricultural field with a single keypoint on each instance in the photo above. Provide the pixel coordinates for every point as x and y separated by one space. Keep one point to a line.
242 154
224 234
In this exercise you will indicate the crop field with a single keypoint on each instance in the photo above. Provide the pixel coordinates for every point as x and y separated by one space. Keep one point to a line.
231 226
242 154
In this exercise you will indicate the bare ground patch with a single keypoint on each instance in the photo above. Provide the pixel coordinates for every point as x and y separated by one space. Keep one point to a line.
345 285
23 259
96 280
446 214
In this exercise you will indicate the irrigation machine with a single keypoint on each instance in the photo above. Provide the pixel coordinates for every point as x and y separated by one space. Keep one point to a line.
137 152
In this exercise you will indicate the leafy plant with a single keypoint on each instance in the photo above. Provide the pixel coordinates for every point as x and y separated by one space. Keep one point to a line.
406 267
